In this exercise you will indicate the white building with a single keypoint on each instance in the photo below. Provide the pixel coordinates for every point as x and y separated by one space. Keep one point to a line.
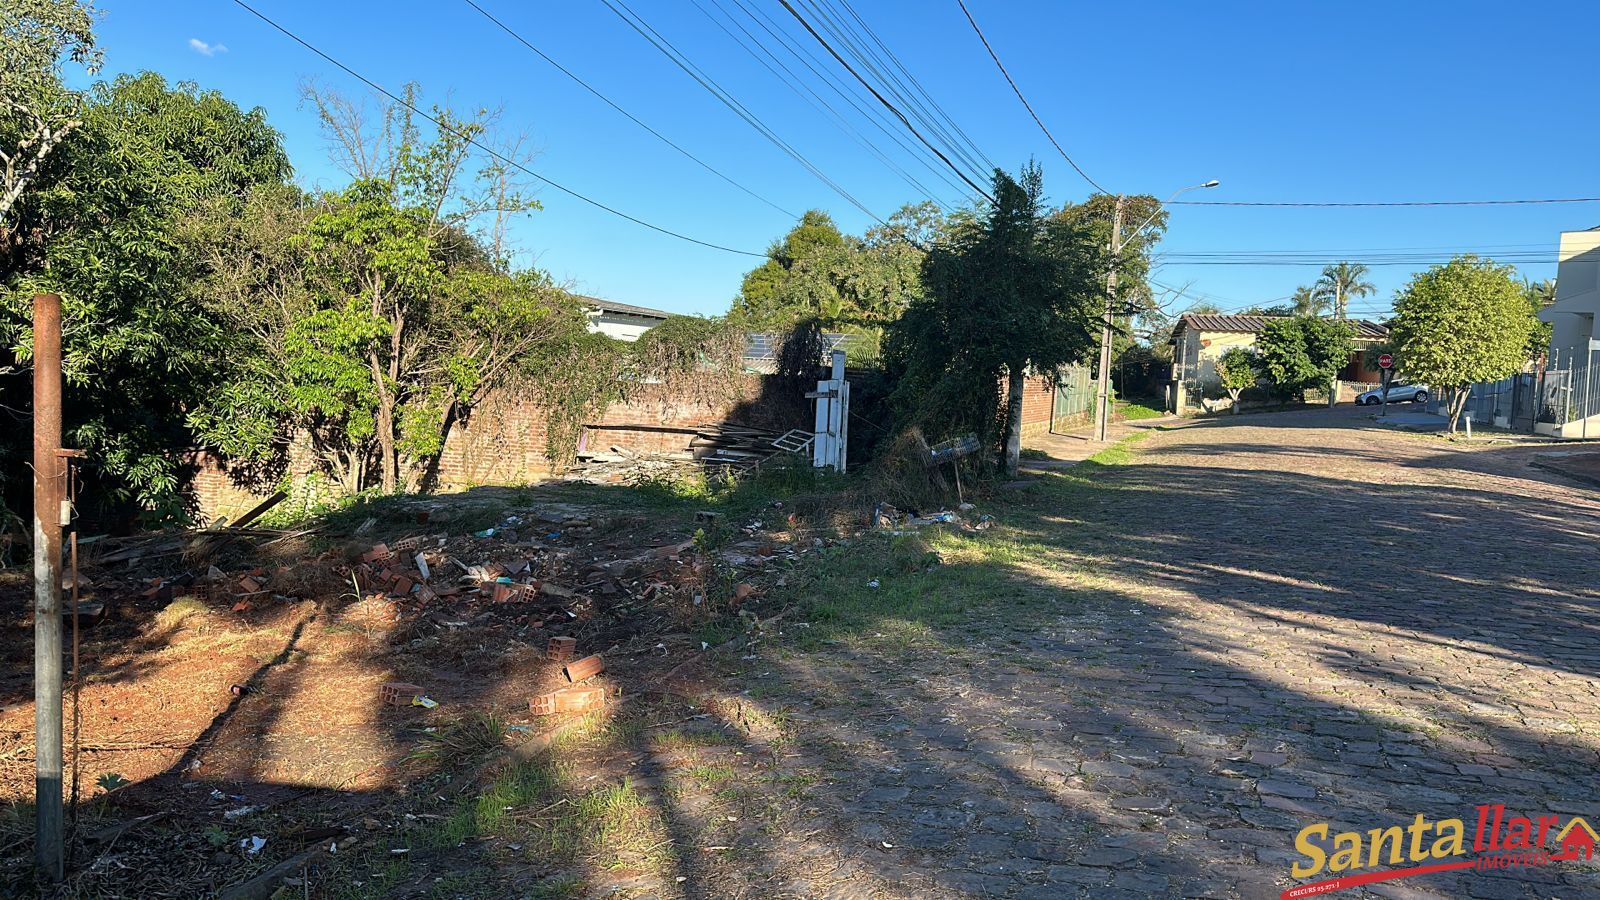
621 320
1570 401
1572 315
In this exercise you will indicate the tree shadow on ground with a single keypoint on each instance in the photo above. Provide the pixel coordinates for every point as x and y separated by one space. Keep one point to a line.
1139 685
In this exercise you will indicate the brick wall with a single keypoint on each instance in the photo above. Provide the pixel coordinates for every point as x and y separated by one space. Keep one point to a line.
504 441
1037 398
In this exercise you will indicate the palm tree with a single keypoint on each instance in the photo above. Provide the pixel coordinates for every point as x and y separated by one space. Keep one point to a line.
1540 293
1308 301
1341 281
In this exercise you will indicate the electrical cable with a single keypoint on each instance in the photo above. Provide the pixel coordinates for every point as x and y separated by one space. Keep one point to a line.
671 52
1026 105
630 116
1395 203
489 150
880 98
790 79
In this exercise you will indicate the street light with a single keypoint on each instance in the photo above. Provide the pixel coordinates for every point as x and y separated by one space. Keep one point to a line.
1103 406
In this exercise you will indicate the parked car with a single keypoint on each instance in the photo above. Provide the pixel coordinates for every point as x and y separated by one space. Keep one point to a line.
1398 393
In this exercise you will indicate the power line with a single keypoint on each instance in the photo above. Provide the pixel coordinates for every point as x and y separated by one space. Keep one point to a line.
486 149
917 84
1386 204
1358 251
1026 105
874 115
630 116
859 41
677 56
854 46
750 43
880 98
1323 261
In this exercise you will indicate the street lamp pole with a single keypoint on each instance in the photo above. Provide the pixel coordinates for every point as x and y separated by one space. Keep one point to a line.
1102 408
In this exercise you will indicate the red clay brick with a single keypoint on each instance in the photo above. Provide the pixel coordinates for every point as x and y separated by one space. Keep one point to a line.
561 649
398 693
588 667
573 699
378 551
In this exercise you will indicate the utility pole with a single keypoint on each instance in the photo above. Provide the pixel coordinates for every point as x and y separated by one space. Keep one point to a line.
48 490
1338 316
1102 407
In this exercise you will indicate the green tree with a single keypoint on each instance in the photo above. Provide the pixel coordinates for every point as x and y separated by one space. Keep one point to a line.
37 112
1303 352
1308 301
1540 294
1462 323
846 283
1012 290
793 281
1279 310
102 227
389 309
1340 282
1238 369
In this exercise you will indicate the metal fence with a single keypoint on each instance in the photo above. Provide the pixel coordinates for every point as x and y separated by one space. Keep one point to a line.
1075 390
1569 394
1505 403
1557 396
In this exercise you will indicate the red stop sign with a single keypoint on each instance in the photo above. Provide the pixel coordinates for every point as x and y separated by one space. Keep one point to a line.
1386 360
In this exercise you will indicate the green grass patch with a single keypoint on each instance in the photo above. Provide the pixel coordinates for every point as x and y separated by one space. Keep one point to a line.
676 739
938 580
1133 411
711 775
531 784
790 481
1118 454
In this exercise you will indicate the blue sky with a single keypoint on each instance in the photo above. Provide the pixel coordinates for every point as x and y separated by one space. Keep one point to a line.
1281 102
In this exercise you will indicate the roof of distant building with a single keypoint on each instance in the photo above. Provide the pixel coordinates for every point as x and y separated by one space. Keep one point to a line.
626 309
1253 324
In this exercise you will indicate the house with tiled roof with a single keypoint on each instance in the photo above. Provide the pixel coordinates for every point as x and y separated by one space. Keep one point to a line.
1199 340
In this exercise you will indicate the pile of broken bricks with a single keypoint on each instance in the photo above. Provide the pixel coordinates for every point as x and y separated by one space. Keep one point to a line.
576 697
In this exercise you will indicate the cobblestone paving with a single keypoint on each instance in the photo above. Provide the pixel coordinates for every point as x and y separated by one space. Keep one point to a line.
1275 620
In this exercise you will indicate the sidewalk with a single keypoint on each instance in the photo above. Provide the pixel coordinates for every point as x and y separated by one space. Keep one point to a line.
1069 448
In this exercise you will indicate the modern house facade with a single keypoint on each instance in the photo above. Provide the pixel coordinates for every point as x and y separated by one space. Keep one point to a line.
1570 404
1199 340
1572 315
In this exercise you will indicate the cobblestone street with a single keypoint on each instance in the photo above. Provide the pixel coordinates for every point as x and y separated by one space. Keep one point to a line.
1263 622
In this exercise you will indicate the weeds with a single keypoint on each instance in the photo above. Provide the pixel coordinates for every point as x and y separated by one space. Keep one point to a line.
177 612
462 740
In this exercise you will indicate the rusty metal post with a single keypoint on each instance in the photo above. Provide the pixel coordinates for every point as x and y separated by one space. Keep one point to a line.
47 494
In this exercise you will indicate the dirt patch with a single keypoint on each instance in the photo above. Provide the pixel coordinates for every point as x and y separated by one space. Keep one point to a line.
240 699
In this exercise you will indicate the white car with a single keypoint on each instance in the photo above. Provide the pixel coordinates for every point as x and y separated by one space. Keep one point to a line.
1416 393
